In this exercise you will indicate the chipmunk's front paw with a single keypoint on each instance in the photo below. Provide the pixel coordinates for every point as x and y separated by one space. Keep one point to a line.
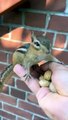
27 76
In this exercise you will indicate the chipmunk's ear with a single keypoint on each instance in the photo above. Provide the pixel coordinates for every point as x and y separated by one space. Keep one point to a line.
33 37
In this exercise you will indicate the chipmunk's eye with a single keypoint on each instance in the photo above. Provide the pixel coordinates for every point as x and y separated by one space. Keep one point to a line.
37 44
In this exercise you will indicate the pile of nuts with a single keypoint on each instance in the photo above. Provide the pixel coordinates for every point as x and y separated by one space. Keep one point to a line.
45 81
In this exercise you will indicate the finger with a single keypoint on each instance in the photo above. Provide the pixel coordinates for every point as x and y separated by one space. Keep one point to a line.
31 83
53 66
19 70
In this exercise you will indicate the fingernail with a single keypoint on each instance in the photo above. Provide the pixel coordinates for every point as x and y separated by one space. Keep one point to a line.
19 70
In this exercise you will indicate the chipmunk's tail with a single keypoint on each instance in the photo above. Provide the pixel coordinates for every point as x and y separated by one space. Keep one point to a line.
5 76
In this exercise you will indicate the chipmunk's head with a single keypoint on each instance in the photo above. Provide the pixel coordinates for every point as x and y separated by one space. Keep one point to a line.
40 42
40 47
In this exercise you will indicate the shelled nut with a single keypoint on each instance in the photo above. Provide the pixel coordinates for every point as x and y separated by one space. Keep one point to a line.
47 75
44 83
52 88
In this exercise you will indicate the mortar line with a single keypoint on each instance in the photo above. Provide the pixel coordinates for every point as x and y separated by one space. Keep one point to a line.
66 7
54 39
23 18
66 42
47 20
38 29
60 49
44 12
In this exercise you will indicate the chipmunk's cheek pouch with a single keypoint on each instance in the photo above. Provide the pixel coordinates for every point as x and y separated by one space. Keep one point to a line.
36 71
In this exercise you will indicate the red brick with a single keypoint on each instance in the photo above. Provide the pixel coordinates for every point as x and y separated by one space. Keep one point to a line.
59 23
5 36
34 4
20 34
50 37
61 55
60 41
11 82
8 99
32 98
18 111
16 33
55 5
2 67
21 85
4 30
6 90
30 107
52 5
13 17
4 49
7 115
35 20
11 44
18 93
3 57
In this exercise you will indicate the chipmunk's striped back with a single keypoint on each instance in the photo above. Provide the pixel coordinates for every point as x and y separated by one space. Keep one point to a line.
23 49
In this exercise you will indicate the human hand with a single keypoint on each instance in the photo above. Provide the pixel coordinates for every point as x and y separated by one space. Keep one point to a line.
53 104
59 77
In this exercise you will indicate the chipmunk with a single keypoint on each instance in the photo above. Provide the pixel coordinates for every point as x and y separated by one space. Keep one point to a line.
27 55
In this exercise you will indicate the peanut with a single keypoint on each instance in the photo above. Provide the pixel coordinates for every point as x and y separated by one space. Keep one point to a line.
44 83
47 75
52 88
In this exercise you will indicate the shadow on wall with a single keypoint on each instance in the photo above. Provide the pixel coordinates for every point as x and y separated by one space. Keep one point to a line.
13 34
15 38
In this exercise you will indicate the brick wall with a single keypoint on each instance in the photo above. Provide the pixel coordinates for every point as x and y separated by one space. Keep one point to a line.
17 102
